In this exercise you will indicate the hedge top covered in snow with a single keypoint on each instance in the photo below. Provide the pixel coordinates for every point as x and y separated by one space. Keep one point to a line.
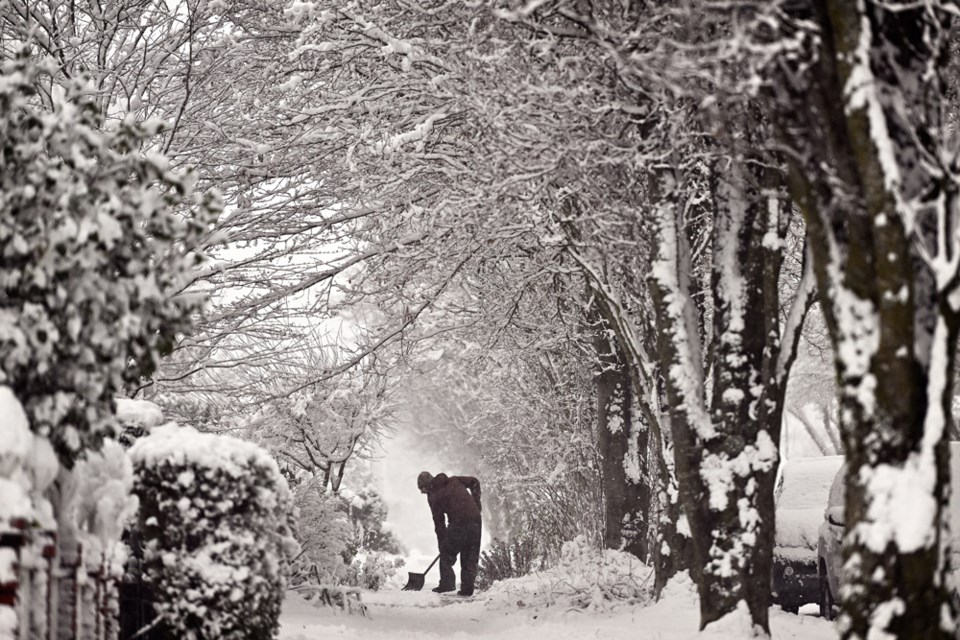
174 443
138 413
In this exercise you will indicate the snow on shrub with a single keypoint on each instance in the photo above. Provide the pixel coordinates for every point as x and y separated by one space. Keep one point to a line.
15 448
92 257
373 570
215 522
584 577
324 533
136 418
100 504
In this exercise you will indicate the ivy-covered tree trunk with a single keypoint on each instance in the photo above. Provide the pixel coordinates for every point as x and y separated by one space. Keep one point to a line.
622 445
860 107
725 437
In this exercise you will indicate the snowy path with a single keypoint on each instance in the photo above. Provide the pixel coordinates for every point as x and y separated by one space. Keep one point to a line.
396 615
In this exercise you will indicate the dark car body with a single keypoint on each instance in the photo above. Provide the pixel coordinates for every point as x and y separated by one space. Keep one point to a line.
801 495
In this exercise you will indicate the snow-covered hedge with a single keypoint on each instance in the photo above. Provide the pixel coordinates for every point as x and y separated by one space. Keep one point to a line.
215 523
585 577
95 505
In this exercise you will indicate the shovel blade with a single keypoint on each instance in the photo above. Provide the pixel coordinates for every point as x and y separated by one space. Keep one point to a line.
414 582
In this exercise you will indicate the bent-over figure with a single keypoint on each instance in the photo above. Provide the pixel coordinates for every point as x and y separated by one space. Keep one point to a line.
455 504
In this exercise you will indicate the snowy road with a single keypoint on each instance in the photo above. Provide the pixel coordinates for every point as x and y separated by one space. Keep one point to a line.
396 615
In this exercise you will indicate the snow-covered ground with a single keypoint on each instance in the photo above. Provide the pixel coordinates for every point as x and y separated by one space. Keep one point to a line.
406 615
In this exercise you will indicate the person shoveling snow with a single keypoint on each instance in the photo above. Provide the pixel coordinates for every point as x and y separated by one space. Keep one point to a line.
455 505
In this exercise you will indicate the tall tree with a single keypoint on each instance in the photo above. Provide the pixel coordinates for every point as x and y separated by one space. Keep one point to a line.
860 100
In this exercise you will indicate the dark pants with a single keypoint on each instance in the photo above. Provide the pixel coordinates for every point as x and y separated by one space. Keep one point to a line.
462 539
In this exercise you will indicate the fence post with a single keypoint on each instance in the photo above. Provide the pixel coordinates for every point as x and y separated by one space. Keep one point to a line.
53 586
25 596
68 584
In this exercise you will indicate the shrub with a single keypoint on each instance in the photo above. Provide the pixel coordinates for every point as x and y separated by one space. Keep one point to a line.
373 570
96 506
216 525
324 533
507 560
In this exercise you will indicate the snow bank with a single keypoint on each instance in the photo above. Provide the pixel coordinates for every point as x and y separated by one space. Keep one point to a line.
584 578
736 624
215 523
681 588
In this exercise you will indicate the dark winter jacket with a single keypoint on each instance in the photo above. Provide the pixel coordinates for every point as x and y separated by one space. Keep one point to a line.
458 498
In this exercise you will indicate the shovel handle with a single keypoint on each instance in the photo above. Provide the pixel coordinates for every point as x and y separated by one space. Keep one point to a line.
431 564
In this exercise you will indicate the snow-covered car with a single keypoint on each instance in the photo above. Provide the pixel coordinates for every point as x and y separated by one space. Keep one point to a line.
801 494
830 536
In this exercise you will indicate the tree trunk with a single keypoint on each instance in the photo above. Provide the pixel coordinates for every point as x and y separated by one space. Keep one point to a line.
725 449
622 444
654 492
864 122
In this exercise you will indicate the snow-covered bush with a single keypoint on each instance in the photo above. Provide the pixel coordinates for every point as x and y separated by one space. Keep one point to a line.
373 570
101 503
324 532
506 560
585 577
27 467
368 513
215 523
136 418
91 257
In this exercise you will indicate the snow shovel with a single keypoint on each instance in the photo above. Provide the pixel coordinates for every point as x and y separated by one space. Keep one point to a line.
415 582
